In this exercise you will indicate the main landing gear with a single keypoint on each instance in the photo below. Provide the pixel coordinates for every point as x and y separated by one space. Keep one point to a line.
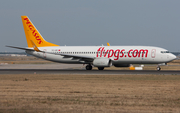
158 68
100 68
89 67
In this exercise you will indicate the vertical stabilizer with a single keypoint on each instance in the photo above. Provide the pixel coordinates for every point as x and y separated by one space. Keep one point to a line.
33 35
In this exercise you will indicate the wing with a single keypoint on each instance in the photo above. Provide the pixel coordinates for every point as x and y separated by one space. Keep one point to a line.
81 58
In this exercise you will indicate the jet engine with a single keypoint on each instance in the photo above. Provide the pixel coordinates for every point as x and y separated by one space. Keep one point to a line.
102 62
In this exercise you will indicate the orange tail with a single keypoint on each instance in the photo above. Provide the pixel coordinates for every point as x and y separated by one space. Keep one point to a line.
32 34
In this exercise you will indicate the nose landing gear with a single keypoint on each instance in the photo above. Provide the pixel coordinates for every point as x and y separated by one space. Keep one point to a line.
158 68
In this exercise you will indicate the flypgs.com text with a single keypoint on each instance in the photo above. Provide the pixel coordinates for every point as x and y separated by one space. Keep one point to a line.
102 52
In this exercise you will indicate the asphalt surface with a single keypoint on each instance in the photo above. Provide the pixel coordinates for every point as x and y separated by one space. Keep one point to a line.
57 68
88 72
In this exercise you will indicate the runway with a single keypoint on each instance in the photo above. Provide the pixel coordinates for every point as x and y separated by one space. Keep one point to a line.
75 69
85 72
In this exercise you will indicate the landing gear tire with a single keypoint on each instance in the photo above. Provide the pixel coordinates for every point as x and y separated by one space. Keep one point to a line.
101 68
88 67
158 68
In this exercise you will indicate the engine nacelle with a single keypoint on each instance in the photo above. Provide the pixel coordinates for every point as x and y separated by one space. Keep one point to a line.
102 62
121 65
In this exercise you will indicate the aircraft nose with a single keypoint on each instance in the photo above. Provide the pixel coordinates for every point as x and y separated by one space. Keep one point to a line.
172 57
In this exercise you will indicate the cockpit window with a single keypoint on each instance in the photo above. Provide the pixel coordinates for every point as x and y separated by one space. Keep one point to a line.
164 51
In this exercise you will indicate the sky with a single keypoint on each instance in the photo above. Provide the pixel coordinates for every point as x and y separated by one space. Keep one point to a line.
93 22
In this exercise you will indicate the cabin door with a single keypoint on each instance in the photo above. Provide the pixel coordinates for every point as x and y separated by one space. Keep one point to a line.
153 53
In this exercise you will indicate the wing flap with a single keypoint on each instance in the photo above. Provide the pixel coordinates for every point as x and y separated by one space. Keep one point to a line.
84 58
70 55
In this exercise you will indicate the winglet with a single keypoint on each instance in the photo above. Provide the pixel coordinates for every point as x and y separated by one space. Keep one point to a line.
108 44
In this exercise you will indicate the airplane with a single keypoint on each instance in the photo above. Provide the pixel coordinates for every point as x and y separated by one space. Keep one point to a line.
97 56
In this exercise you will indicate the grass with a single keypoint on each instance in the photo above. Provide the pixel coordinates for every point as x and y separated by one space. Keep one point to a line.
23 60
89 93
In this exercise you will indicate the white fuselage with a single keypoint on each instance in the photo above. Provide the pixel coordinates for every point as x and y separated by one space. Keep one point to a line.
118 54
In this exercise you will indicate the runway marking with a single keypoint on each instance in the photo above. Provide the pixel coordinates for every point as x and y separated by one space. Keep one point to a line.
85 72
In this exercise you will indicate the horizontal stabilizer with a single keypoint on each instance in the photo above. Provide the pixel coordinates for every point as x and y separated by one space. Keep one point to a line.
21 48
